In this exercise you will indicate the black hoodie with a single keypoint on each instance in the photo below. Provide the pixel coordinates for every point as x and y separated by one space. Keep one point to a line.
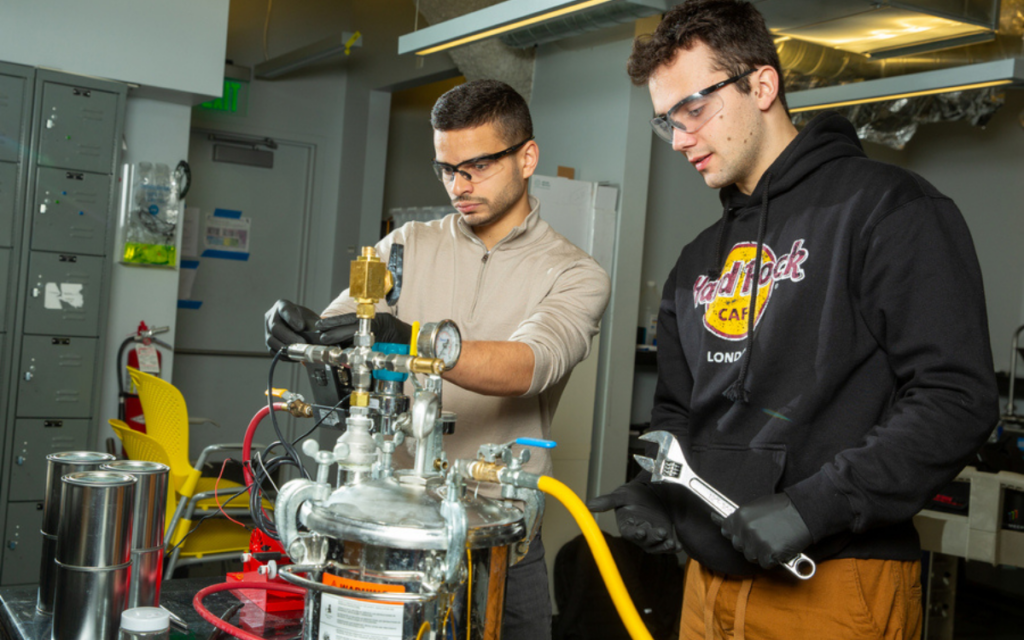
869 383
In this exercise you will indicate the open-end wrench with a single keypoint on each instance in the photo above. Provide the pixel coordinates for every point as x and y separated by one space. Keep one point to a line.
671 467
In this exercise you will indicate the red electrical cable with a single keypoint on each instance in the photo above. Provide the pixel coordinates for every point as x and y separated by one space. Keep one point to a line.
226 627
247 442
216 498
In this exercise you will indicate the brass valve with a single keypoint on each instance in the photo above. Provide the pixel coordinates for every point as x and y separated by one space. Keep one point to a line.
427 366
300 409
369 281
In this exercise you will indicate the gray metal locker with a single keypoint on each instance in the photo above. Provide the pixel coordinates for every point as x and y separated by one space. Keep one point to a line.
8 187
12 93
5 276
55 377
35 439
23 544
70 212
77 129
63 294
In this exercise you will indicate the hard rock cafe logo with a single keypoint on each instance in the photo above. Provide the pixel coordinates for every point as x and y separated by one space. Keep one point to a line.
727 300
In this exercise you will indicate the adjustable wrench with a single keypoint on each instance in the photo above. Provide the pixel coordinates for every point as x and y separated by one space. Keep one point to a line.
671 467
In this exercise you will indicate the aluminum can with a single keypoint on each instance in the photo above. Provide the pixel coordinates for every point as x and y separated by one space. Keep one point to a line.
93 555
147 528
58 466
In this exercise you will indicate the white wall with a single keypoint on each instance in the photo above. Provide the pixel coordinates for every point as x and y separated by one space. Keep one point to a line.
177 46
156 132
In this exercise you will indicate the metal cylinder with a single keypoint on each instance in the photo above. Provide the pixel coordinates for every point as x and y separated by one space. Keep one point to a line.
380 579
96 519
89 602
147 544
58 466
93 554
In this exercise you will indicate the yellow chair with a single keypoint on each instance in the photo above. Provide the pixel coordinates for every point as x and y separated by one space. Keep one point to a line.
166 441
188 541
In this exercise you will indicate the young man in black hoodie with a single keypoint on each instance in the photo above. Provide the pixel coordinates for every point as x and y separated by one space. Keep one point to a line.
831 395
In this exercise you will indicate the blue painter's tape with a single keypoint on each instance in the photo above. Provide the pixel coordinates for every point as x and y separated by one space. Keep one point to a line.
225 255
227 213
189 264
537 442
189 304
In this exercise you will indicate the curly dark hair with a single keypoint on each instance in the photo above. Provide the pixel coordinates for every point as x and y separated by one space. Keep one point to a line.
735 31
484 102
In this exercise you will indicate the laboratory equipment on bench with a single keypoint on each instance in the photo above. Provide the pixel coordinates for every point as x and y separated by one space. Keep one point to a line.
416 553
671 466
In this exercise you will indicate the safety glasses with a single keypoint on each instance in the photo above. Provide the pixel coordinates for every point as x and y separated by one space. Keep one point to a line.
693 112
476 169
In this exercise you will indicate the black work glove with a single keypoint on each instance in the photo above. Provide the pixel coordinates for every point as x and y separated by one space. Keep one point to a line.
287 323
768 531
641 516
340 329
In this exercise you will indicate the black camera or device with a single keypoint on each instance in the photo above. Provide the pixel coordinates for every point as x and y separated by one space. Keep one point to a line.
331 387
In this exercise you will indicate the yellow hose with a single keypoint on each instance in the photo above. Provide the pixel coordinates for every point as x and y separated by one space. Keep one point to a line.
609 572
425 627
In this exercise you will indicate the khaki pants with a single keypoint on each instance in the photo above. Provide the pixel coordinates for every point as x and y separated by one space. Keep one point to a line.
847 599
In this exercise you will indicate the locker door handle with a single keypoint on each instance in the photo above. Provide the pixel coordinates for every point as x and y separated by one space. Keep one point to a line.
12 544
35 292
20 460
28 376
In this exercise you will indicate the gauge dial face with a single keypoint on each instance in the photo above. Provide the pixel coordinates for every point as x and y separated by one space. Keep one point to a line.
445 342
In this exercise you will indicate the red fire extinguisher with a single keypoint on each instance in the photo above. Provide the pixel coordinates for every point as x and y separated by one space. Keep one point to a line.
144 357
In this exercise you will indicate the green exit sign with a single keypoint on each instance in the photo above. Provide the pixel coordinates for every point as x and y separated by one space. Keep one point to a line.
231 101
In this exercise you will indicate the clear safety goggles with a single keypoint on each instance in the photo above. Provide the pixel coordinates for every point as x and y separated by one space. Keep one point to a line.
476 169
693 112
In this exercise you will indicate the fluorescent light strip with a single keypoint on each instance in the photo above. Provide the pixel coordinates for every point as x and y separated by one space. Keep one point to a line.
897 96
512 25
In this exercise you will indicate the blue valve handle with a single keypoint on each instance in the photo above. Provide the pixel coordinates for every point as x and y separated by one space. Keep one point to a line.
537 442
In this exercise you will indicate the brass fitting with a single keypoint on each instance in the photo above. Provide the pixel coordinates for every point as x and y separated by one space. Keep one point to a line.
427 366
485 471
359 399
369 281
300 409
440 465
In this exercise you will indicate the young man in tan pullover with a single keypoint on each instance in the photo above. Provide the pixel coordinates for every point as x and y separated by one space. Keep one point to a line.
527 301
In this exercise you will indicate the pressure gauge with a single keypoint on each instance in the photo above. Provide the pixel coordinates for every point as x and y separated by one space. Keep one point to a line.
440 340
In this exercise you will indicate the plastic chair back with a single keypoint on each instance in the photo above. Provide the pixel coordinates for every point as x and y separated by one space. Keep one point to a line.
139 446
166 420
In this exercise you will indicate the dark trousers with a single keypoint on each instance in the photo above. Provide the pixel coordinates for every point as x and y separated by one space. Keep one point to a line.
527 602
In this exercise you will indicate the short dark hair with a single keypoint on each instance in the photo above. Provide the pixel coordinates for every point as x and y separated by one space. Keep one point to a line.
483 102
734 31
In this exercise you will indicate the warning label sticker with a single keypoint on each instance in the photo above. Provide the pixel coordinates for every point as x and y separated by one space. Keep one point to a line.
351 619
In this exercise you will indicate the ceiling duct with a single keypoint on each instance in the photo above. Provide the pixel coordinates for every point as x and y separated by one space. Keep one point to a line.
598 17
810 67
897 27
485 59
